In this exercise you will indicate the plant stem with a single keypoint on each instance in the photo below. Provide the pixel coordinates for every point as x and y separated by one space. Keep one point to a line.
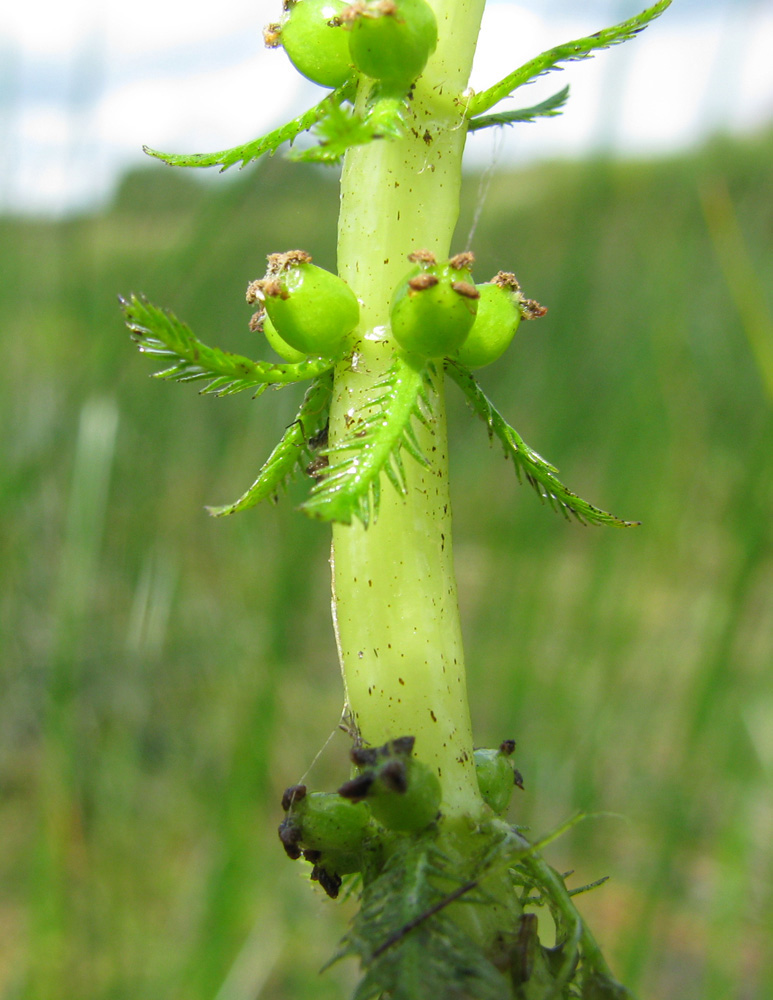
394 591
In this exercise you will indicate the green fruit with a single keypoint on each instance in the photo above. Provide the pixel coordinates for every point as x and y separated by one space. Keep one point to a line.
281 347
340 862
391 40
498 317
495 778
405 795
331 824
316 42
313 310
434 307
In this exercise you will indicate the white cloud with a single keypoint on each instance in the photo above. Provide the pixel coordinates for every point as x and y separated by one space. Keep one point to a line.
755 70
676 82
211 110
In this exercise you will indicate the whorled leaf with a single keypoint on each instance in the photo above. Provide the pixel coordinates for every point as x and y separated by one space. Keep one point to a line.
349 486
160 334
538 473
580 48
293 451
415 942
408 946
341 128
548 108
268 143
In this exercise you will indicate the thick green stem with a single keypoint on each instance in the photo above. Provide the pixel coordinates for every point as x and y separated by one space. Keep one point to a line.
394 603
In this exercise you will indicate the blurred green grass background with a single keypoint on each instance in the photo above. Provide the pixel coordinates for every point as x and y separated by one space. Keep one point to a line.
165 675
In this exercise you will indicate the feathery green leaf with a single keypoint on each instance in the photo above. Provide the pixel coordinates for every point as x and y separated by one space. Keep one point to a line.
350 485
581 48
159 333
588 886
574 941
538 473
268 143
409 947
292 452
548 108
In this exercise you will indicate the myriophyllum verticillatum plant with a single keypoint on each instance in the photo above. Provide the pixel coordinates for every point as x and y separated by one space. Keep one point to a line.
450 890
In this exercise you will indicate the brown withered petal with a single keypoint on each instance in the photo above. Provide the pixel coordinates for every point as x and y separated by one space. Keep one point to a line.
422 281
290 835
292 794
394 776
466 289
462 261
357 788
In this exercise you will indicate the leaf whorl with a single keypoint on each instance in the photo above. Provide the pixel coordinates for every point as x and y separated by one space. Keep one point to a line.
349 487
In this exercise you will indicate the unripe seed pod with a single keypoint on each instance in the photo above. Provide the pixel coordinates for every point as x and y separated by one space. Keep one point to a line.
313 36
434 307
498 317
391 40
330 823
313 310
496 778
405 795
327 830
341 862
281 347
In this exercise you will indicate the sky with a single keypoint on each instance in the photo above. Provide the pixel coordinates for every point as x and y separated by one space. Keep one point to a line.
83 85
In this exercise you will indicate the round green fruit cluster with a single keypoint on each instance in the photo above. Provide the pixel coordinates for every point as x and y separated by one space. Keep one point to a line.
328 830
310 311
335 831
328 40
437 312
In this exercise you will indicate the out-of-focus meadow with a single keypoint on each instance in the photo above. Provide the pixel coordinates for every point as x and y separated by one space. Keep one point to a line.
166 675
